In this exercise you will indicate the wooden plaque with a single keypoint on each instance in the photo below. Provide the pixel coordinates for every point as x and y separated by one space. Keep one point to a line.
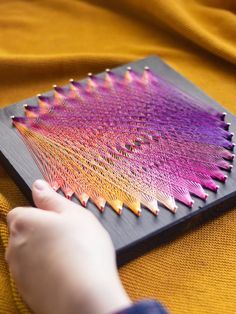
131 235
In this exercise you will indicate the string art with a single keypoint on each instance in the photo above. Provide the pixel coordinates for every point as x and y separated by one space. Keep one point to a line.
127 140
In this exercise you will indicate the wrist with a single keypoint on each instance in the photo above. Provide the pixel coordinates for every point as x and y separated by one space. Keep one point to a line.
107 297
104 296
98 296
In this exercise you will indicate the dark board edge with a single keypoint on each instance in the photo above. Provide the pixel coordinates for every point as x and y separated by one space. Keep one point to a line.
16 177
175 230
163 235
179 226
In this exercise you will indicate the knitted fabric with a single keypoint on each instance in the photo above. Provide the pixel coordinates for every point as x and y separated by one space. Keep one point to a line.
47 43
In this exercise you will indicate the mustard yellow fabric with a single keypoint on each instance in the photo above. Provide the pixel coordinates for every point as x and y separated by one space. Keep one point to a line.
48 42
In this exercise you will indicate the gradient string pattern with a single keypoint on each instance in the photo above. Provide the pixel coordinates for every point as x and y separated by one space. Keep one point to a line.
127 140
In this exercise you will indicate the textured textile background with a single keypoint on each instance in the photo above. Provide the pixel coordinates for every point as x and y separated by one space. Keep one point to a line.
48 42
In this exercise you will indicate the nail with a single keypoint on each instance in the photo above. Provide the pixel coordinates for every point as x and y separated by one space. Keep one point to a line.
40 185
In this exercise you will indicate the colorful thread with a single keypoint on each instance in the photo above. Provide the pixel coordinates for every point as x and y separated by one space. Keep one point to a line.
130 140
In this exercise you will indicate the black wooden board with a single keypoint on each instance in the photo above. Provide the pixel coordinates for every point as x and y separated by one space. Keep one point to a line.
131 235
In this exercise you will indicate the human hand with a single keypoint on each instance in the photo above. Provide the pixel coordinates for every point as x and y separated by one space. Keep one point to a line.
61 257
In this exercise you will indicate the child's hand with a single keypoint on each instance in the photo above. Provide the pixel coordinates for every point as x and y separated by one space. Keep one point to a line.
61 258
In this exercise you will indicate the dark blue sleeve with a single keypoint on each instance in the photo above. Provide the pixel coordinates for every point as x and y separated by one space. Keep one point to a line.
145 307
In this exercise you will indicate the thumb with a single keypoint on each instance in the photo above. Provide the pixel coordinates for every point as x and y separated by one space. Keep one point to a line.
46 198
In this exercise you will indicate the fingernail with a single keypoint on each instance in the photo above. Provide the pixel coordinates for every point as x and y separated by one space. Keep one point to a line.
40 185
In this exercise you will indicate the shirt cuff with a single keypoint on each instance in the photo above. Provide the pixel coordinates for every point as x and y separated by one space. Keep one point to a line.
145 307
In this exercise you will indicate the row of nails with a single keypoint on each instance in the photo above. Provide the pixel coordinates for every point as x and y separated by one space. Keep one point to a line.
146 68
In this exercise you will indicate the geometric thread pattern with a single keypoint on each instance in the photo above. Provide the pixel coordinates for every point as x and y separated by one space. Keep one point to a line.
127 140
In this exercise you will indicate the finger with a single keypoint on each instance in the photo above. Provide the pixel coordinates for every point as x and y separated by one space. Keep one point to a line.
21 217
46 198
6 255
16 212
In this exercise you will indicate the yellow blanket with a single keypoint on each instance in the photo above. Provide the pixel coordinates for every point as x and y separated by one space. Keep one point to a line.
48 42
